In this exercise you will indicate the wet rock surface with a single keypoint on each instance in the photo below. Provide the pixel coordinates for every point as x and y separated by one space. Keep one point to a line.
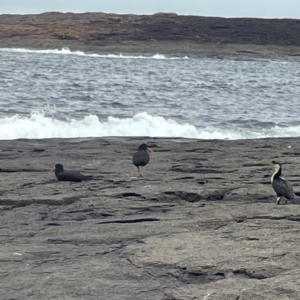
201 224
166 33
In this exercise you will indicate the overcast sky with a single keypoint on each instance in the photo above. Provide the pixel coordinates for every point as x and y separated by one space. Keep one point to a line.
223 8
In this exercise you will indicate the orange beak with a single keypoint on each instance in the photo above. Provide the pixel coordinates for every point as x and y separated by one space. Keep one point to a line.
52 170
149 149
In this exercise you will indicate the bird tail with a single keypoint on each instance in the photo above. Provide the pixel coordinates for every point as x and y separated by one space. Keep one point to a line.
296 200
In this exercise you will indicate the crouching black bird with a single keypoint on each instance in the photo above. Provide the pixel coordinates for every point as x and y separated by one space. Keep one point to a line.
141 158
63 175
281 186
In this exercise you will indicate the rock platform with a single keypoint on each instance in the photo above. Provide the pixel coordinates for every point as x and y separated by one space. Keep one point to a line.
201 224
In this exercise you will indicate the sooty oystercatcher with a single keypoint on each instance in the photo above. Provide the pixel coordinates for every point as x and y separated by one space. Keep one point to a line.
63 175
141 158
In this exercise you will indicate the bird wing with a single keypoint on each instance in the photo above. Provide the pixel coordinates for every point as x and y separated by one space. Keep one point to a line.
71 176
283 188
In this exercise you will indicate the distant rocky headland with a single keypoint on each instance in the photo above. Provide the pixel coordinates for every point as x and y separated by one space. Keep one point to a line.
166 33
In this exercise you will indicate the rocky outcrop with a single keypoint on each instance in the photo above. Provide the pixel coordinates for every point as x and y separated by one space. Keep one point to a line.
163 32
201 224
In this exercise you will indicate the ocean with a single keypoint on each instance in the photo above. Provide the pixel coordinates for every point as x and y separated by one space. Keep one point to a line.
65 94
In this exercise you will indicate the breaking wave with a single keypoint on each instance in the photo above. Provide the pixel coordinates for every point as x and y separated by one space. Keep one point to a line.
39 126
67 51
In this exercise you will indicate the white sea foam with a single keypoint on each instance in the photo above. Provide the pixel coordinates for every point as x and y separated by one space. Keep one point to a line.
38 126
67 51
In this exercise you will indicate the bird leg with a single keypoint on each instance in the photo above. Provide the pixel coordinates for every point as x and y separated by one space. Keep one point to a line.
141 171
278 200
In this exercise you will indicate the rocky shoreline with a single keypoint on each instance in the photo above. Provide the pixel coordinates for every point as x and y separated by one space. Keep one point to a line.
165 33
201 224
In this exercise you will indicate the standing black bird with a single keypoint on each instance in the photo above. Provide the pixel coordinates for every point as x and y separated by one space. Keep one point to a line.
63 175
281 186
141 158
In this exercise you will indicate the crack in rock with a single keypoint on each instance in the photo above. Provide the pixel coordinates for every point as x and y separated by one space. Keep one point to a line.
22 203
130 221
259 273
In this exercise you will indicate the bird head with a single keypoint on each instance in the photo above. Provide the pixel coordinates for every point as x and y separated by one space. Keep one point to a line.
57 168
145 147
